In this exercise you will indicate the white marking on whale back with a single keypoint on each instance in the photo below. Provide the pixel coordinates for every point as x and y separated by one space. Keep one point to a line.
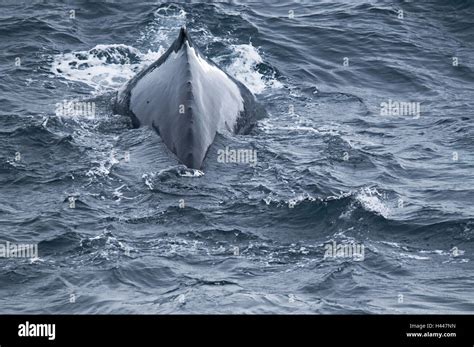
211 86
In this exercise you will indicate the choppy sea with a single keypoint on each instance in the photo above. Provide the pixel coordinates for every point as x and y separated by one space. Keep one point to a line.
368 147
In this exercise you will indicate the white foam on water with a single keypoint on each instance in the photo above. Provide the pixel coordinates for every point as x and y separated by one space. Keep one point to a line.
118 194
105 245
271 125
148 180
298 199
36 260
413 256
243 67
392 244
192 173
104 67
370 200
161 30
104 166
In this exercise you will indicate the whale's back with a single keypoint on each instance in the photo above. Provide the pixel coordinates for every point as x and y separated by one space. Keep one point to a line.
188 99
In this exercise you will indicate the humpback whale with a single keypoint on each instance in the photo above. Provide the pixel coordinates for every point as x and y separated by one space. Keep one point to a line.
187 99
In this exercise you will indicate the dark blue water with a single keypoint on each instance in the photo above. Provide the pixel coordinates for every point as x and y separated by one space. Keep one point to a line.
332 167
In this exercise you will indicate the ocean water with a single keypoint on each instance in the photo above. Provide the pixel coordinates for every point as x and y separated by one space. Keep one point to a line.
368 146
